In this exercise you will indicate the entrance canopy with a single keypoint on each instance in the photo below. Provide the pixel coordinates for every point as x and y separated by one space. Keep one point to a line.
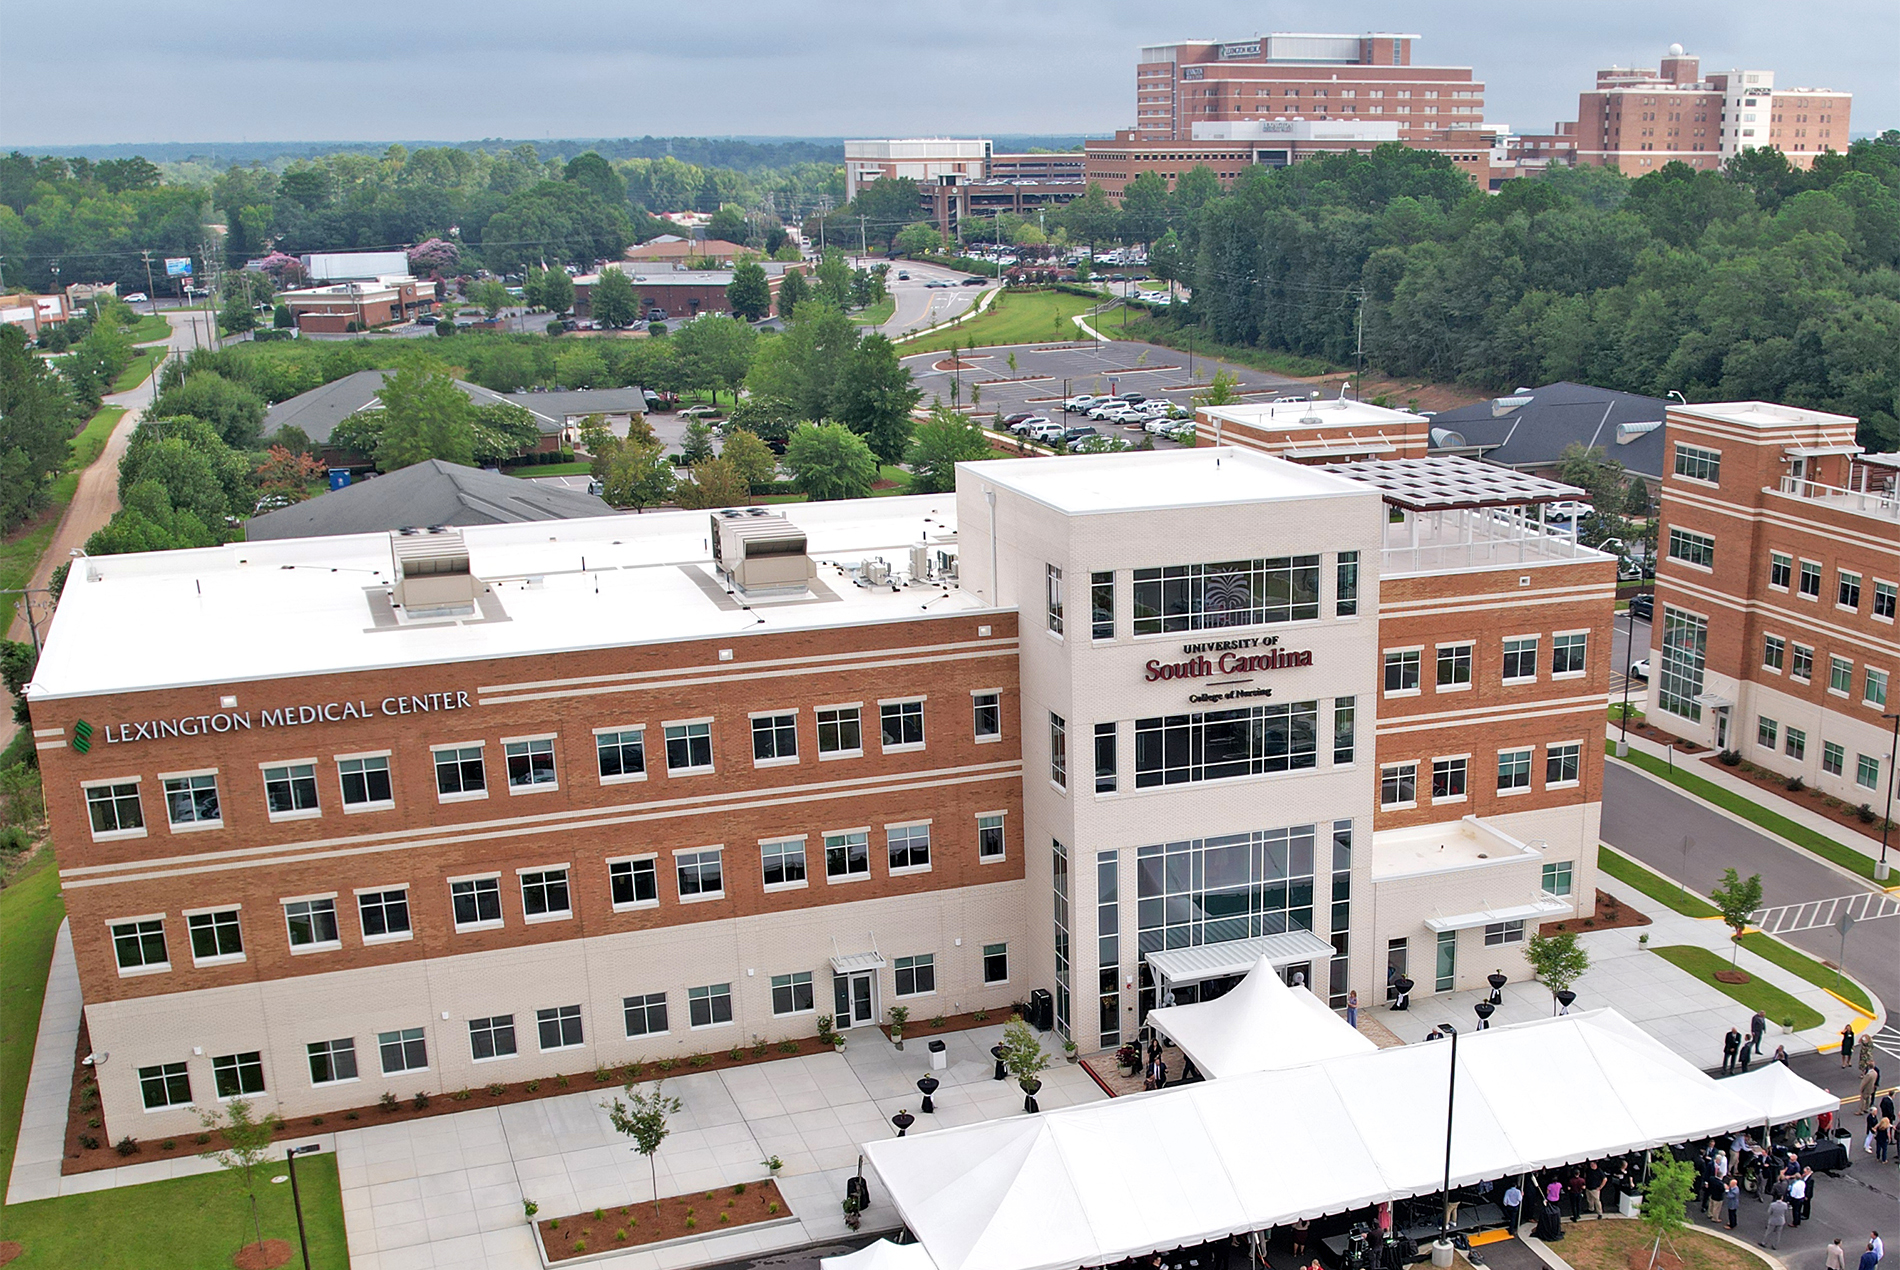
1261 1025
1101 1182
1237 956
1540 910
1779 1095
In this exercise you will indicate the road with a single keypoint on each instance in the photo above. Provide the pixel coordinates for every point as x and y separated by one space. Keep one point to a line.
919 304
1619 640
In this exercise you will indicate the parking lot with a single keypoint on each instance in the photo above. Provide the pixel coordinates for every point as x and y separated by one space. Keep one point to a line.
1046 375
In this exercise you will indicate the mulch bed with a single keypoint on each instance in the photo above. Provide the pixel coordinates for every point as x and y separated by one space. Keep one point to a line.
265 1256
1809 797
1611 914
1650 732
679 1216
10 1250
604 1081
920 1030
1733 976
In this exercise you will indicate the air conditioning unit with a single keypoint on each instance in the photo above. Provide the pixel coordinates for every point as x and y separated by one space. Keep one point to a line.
760 551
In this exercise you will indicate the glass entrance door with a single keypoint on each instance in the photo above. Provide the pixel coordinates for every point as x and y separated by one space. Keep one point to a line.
855 998
1447 976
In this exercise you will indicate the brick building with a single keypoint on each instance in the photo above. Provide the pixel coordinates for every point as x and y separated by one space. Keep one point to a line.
359 306
679 292
1775 594
421 811
1230 148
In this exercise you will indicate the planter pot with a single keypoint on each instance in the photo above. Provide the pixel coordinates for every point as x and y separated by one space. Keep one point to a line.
838 1048
1787 1028
898 1041
1073 1058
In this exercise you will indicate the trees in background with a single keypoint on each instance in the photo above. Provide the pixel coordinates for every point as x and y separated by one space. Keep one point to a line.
715 353
941 442
749 456
424 416
918 239
829 461
791 293
749 293
873 396
233 409
37 420
549 289
612 300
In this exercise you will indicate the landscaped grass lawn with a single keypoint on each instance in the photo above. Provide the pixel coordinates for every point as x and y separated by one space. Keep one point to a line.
1626 870
30 913
20 556
150 329
1182 339
1772 949
886 472
191 1223
1755 994
1014 317
140 369
876 314
1753 812
1611 1245
579 467
92 438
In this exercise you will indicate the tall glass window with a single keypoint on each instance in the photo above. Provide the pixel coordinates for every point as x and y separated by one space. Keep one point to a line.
1185 748
1194 597
1346 588
1102 605
1685 647
1060 873
1336 984
1343 729
1237 886
1108 947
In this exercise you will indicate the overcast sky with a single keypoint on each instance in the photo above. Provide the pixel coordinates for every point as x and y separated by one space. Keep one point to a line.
98 71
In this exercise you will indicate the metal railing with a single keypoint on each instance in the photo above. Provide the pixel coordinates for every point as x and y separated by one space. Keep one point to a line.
1870 502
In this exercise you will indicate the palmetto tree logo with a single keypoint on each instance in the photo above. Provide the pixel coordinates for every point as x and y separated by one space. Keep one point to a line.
82 736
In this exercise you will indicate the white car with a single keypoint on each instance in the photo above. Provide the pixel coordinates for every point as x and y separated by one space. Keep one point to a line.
137 297
1159 427
1105 409
1024 427
1181 430
1079 403
1640 670
1047 432
1566 510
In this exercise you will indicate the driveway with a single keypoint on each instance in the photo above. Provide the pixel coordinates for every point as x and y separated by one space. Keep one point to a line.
918 303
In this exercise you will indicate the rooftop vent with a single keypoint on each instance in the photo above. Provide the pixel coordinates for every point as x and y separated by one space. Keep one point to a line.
1628 432
432 572
760 551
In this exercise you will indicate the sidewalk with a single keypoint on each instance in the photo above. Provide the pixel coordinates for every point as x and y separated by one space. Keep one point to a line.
1681 1011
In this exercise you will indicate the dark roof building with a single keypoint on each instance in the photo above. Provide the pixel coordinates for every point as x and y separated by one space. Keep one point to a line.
1530 429
318 411
571 405
427 493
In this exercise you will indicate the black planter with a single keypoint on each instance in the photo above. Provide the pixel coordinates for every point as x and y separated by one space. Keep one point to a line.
996 1052
1031 1088
927 1086
903 1120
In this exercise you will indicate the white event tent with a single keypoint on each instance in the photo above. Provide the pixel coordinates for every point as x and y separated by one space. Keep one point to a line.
1260 1025
882 1255
1094 1184
1779 1095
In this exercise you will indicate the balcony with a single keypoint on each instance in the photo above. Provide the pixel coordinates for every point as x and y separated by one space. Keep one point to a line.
1454 541
1881 503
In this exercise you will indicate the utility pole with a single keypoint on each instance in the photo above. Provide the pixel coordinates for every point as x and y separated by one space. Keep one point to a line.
1359 354
864 248
151 291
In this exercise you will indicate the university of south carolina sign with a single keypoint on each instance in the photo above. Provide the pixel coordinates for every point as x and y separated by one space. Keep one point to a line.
1229 657
281 717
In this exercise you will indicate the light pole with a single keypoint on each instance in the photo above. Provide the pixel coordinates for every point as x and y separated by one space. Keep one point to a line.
296 1200
1629 660
1881 868
1441 1252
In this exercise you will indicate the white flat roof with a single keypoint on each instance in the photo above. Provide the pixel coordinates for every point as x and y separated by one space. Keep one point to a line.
1448 845
1763 414
301 606
1327 412
1205 476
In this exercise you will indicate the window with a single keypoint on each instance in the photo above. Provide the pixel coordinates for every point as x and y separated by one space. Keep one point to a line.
403 1051
709 1006
215 935
1105 745
1810 580
384 914
700 873
192 801
332 1061
1801 662
311 923
1398 785
1867 772
1797 743
1454 666
477 901
1567 653
1346 585
1692 548
1848 594
1874 687
459 772
791 994
115 809
1196 597
1833 757
1767 732
901 724
1448 778
1840 675
840 732
916 976
988 709
165 1086
989 836
1520 659
560 1027
1773 650
1557 878
493 1037
995 963
909 847
848 854
689 747
1884 593
1514 770
1503 933
1058 751
530 763
1255 740
774 738
1698 464
782 863
634 882
238 1075
1102 605
140 944
1780 570
365 782
1684 650
291 789
1401 672
1053 583
622 754
1562 763
544 893
1343 729
646 1015
1235 886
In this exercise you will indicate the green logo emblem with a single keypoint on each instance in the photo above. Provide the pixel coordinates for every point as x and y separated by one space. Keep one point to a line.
82 736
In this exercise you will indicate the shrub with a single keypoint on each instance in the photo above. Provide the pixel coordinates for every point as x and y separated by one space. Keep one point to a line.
725 1217
1731 758
938 1020
1864 813
562 1081
600 1214
92 1122
128 1145
1795 784
202 1138
496 1089
735 1053
169 1144
788 1047
529 1207
689 1212
554 1223
88 1142
462 1095
738 1188
621 1234
531 1085
692 1223
316 1120
981 1016
700 1060
771 1206
602 1075
667 1064
350 1115
421 1099
387 1102
758 1049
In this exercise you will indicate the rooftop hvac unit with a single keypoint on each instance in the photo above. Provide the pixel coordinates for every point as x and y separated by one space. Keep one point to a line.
432 572
760 551
875 572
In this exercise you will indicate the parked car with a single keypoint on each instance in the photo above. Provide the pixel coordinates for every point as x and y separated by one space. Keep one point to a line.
1640 670
1565 510
1102 410
973 282
1027 425
1643 606
1159 427
1075 434
1081 402
137 297
1010 421
903 275
701 412
1049 433
1132 398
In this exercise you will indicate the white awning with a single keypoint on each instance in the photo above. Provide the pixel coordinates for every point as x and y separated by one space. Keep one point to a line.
1819 451
1713 700
882 1255
1261 1025
1781 1095
1237 956
850 963
1541 910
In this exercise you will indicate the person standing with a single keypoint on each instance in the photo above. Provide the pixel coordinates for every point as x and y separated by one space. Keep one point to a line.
1777 1218
1758 1028
1732 1202
1352 1008
1805 1211
1883 1139
1797 1194
1730 1043
1593 1188
1836 1255
1868 1259
1574 1185
1746 1054
1847 1049
1869 1082
1513 1206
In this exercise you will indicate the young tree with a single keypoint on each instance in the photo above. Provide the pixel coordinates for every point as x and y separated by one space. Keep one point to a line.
287 473
874 397
612 302
425 416
233 409
1222 390
638 475
829 461
749 456
696 443
834 278
1671 1184
246 1146
1145 208
642 1117
557 291
765 416
1735 900
749 294
490 295
1022 1052
941 442
918 239
236 315
791 292
1558 961
714 483
801 367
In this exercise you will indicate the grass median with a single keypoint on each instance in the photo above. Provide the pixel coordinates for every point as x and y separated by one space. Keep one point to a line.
140 370
1655 886
1753 812
150 329
30 913
1815 972
876 314
1014 317
1755 994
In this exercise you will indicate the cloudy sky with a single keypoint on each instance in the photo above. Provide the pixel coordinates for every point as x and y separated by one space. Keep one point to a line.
98 71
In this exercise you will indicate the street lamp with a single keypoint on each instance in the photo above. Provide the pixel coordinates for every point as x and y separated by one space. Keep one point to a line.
1881 868
1441 1251
296 1201
1629 661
